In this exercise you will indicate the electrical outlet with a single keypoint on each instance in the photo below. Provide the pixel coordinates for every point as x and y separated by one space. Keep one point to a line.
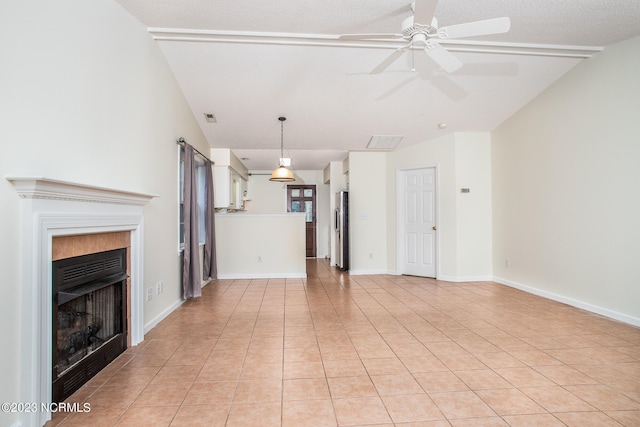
507 263
149 294
370 255
259 259
158 288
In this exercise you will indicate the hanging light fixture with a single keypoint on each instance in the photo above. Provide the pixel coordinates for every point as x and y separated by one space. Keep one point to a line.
282 174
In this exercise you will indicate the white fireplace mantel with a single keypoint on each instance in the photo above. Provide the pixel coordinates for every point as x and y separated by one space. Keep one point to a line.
50 208
53 189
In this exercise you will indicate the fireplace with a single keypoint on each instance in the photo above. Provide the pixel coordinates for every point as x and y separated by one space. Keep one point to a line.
50 210
89 322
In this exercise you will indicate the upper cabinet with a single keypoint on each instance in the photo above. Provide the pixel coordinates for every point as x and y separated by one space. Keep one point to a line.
230 178
229 187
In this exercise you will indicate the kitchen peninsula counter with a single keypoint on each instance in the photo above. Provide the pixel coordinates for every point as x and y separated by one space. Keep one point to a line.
260 245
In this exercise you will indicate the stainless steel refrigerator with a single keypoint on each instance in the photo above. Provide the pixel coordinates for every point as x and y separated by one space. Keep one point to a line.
342 230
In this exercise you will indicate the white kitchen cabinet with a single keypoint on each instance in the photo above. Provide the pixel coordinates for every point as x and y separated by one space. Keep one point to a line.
230 179
229 187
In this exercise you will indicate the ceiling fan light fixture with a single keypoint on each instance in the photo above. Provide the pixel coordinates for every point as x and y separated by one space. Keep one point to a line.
281 173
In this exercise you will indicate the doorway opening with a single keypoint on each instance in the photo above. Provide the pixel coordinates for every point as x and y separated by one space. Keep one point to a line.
302 198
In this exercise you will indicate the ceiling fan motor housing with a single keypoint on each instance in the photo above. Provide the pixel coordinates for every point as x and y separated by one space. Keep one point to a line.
410 30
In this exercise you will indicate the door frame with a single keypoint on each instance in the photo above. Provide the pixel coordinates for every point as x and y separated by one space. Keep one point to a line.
314 214
400 210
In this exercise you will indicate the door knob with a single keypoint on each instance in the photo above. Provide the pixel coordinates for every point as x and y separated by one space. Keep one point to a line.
433 228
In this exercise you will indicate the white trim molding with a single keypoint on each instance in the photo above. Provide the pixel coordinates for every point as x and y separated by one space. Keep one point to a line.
53 189
160 317
463 279
329 40
52 208
570 301
369 272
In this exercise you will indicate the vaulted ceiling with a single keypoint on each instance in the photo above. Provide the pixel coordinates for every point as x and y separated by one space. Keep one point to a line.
249 62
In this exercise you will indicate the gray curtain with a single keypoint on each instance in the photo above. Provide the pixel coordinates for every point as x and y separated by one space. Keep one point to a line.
191 284
210 268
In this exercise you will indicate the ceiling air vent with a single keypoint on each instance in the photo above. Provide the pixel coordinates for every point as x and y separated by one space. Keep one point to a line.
384 142
211 118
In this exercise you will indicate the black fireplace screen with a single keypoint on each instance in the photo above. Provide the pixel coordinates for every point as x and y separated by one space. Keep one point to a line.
89 317
87 322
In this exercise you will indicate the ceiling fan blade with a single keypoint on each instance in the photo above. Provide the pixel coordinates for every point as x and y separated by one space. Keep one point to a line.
477 28
390 60
424 10
369 36
443 58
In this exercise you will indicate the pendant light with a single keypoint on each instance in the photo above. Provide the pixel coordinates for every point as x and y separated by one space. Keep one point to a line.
282 174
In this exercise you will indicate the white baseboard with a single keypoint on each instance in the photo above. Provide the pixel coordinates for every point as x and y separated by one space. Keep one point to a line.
367 272
460 279
170 310
450 278
263 276
625 318
159 318
457 279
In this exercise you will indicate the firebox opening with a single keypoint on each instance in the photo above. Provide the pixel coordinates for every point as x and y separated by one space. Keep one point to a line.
89 317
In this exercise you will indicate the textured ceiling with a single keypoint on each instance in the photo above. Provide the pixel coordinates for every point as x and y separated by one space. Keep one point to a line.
262 61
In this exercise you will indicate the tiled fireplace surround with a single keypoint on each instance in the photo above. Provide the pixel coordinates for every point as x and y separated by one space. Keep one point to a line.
61 219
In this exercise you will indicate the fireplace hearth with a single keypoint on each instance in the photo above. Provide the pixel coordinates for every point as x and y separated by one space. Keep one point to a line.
89 317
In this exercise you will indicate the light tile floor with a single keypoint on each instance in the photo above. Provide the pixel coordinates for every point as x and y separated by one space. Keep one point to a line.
340 350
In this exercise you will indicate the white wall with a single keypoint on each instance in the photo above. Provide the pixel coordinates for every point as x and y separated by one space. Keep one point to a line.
464 220
368 213
440 153
473 209
271 197
265 196
566 211
261 245
87 97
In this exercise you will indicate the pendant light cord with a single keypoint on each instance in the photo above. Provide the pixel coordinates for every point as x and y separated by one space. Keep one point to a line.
282 119
281 173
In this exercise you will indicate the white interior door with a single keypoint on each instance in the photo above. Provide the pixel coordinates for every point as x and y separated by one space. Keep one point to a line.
417 222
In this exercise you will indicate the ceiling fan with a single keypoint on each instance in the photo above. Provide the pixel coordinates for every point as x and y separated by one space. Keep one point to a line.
425 36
